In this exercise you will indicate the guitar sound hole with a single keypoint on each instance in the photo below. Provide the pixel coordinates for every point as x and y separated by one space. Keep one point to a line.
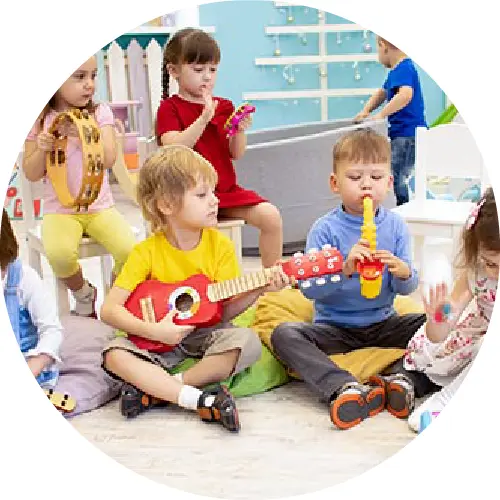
184 302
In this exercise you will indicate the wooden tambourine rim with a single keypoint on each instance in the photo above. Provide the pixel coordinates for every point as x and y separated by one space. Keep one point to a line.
92 160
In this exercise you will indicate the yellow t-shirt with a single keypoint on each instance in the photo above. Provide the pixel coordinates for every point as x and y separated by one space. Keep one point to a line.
155 258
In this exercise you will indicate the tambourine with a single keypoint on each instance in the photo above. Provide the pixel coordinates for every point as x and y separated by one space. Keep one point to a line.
231 125
92 159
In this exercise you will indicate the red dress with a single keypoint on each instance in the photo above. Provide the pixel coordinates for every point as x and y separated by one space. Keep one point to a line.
175 113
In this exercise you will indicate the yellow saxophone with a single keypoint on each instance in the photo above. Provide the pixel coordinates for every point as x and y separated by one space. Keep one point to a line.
370 272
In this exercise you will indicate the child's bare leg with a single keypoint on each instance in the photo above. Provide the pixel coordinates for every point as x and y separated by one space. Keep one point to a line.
146 376
267 219
153 380
210 369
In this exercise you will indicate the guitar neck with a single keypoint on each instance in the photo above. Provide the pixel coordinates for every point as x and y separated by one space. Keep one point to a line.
246 283
315 264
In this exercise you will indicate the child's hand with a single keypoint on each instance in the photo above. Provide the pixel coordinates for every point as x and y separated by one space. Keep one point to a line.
37 363
378 116
395 266
45 141
245 124
362 115
359 252
438 297
278 280
68 129
168 332
209 108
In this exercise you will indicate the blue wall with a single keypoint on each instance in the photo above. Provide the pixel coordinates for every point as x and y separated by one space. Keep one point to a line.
239 29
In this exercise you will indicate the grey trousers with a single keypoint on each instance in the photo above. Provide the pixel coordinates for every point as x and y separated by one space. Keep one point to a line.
305 348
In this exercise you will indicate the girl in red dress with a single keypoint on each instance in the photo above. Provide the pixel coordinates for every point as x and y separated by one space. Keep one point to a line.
195 118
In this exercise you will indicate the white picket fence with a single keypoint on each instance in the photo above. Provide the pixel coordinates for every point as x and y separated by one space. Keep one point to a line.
133 74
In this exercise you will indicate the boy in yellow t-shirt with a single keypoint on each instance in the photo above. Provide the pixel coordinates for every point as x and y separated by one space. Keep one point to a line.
176 194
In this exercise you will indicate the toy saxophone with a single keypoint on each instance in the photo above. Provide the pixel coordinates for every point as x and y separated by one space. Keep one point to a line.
370 272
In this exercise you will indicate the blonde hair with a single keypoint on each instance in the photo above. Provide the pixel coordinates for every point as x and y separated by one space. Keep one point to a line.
166 175
361 146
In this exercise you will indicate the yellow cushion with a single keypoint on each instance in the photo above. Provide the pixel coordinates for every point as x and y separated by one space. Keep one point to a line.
275 308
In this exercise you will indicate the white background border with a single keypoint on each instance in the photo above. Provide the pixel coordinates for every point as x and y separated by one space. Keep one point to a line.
43 42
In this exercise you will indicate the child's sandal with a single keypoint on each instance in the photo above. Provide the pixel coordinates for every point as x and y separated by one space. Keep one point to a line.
222 409
133 402
399 393
354 403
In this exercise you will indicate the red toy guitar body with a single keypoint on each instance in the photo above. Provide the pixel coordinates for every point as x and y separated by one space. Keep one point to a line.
199 301
152 300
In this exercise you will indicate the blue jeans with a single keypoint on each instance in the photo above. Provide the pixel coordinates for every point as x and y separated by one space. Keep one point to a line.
403 165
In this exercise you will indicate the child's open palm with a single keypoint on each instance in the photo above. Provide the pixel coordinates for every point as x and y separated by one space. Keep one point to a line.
209 108
437 299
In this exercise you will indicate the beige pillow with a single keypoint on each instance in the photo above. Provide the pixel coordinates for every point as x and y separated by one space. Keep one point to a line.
275 308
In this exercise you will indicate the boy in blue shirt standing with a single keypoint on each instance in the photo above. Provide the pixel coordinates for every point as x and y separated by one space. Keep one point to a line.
344 320
404 110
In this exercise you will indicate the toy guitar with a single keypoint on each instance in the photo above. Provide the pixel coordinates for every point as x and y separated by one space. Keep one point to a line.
231 125
63 402
370 272
200 301
92 159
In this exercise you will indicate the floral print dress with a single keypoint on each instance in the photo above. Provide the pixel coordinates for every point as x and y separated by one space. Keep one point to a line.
443 361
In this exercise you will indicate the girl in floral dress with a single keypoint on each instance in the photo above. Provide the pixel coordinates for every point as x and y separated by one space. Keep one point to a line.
446 344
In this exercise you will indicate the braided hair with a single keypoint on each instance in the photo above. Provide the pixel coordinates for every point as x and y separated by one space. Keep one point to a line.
187 46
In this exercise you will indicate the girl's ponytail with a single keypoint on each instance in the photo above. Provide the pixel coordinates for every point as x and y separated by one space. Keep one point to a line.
165 80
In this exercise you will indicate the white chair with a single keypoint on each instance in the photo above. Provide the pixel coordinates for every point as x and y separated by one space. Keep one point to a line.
88 247
230 227
445 150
